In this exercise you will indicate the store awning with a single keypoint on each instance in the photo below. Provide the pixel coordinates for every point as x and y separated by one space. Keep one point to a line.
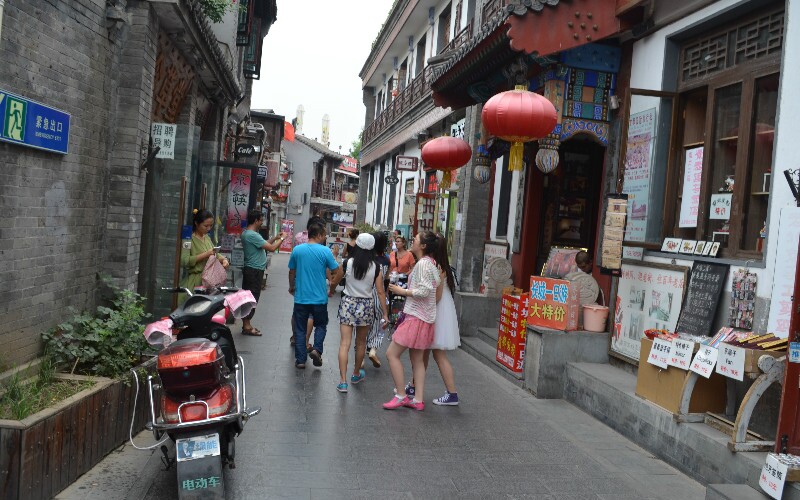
345 172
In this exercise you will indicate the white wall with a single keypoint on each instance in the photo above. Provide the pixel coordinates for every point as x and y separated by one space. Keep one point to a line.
648 73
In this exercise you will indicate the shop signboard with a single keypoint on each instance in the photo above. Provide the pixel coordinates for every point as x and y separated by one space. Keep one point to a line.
702 298
693 176
345 217
349 164
406 163
29 123
773 476
163 135
287 226
511 332
638 161
780 312
649 296
680 355
660 353
730 362
554 304
238 200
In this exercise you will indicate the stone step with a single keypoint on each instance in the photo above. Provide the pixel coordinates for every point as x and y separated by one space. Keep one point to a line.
733 492
488 335
485 353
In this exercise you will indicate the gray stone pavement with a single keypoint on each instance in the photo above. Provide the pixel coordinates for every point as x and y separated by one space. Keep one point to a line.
313 442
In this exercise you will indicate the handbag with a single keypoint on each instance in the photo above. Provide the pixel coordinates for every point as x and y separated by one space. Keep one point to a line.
214 274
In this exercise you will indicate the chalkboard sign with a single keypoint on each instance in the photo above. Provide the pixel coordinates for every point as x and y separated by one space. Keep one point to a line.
702 298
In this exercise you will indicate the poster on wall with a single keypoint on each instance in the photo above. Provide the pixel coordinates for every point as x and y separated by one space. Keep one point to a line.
409 201
650 295
692 177
495 254
613 231
780 310
287 226
638 161
238 200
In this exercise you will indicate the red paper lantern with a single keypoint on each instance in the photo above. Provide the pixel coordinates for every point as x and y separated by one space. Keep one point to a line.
446 154
519 116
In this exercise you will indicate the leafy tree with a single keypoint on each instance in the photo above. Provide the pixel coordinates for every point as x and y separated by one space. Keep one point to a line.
355 147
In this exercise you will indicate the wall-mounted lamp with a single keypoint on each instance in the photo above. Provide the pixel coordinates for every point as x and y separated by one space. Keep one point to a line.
613 102
394 63
411 44
431 17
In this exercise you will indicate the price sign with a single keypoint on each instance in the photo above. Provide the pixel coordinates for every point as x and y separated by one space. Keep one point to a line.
704 361
660 353
731 362
773 476
681 354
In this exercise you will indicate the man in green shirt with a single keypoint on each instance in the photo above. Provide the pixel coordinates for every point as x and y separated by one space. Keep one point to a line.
255 262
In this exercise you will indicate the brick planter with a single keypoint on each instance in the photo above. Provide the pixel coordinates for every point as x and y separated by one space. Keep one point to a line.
46 452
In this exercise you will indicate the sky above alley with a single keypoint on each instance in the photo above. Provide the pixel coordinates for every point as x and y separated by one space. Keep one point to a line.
312 56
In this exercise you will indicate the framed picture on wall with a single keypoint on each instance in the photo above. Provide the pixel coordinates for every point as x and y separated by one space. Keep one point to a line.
699 247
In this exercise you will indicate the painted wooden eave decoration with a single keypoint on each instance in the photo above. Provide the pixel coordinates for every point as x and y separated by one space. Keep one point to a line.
540 31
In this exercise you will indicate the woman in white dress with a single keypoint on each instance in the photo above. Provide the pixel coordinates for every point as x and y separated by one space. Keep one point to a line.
446 336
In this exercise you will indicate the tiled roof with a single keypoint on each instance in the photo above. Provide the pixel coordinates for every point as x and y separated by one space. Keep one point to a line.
319 148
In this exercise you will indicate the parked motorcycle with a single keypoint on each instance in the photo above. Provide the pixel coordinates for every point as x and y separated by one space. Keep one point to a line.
202 387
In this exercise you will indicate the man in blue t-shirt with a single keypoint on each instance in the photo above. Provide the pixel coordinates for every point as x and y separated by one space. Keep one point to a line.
255 262
308 268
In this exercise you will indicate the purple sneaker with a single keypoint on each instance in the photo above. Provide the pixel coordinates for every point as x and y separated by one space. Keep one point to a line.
410 391
449 399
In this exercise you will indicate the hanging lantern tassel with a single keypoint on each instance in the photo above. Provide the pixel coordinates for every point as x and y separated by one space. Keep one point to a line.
515 156
446 180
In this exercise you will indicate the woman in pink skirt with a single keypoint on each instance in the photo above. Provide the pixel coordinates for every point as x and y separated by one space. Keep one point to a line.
416 330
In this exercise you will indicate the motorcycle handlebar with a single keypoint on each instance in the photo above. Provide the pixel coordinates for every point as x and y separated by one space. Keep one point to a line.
177 290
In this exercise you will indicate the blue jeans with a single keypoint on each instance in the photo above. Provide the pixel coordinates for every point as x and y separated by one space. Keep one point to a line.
301 314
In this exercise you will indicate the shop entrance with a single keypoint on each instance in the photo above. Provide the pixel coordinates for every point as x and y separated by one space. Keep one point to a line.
571 198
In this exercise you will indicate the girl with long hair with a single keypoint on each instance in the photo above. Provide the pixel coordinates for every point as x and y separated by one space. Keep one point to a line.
376 334
416 330
356 309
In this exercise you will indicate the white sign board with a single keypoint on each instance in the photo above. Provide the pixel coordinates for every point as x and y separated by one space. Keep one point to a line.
163 135
704 361
681 354
783 281
660 353
720 206
773 476
692 177
731 362
648 297
634 253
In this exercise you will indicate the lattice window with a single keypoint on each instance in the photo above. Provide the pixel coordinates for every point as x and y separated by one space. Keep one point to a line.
735 45
172 81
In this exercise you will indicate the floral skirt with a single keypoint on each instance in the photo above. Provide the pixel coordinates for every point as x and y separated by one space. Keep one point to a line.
414 333
356 311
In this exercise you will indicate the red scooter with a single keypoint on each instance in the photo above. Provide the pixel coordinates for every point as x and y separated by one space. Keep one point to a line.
201 381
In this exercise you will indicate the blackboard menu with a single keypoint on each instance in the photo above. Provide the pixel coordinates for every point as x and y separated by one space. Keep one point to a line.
702 298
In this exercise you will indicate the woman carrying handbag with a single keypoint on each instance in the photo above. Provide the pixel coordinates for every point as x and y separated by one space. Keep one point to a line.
200 270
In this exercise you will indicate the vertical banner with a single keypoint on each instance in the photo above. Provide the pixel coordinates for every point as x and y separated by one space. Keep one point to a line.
780 310
238 200
638 160
511 332
692 177
287 226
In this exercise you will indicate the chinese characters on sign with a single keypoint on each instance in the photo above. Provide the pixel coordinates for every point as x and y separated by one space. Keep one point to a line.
773 476
681 354
649 296
702 298
660 353
638 157
783 282
28 123
163 135
201 483
693 174
704 361
238 200
287 226
553 304
730 362
720 206
511 332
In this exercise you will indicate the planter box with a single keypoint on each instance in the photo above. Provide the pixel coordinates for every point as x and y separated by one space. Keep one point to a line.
46 452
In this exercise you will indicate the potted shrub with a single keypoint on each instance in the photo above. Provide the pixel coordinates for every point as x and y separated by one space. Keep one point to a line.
43 453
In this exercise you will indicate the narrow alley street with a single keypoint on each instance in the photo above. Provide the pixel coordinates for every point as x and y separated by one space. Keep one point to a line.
312 442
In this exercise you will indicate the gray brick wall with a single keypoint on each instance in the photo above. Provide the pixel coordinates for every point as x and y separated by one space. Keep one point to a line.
57 53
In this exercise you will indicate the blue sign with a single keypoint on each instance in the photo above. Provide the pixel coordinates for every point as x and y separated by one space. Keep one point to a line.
31 124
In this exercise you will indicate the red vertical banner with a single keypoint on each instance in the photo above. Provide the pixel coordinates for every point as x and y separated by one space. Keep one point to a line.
287 226
238 200
511 332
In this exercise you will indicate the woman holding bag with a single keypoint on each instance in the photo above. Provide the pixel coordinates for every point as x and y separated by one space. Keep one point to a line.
195 255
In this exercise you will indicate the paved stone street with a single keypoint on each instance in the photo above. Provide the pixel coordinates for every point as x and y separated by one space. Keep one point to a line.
313 442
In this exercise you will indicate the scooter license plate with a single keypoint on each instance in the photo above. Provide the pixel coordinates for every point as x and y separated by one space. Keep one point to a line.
197 447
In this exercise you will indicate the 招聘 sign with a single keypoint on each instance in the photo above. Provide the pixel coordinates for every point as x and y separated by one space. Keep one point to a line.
29 123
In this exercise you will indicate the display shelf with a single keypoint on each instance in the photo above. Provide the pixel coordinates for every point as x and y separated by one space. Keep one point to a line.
693 144
760 193
729 138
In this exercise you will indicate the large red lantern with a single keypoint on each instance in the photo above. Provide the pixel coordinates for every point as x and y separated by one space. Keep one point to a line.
446 154
519 116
